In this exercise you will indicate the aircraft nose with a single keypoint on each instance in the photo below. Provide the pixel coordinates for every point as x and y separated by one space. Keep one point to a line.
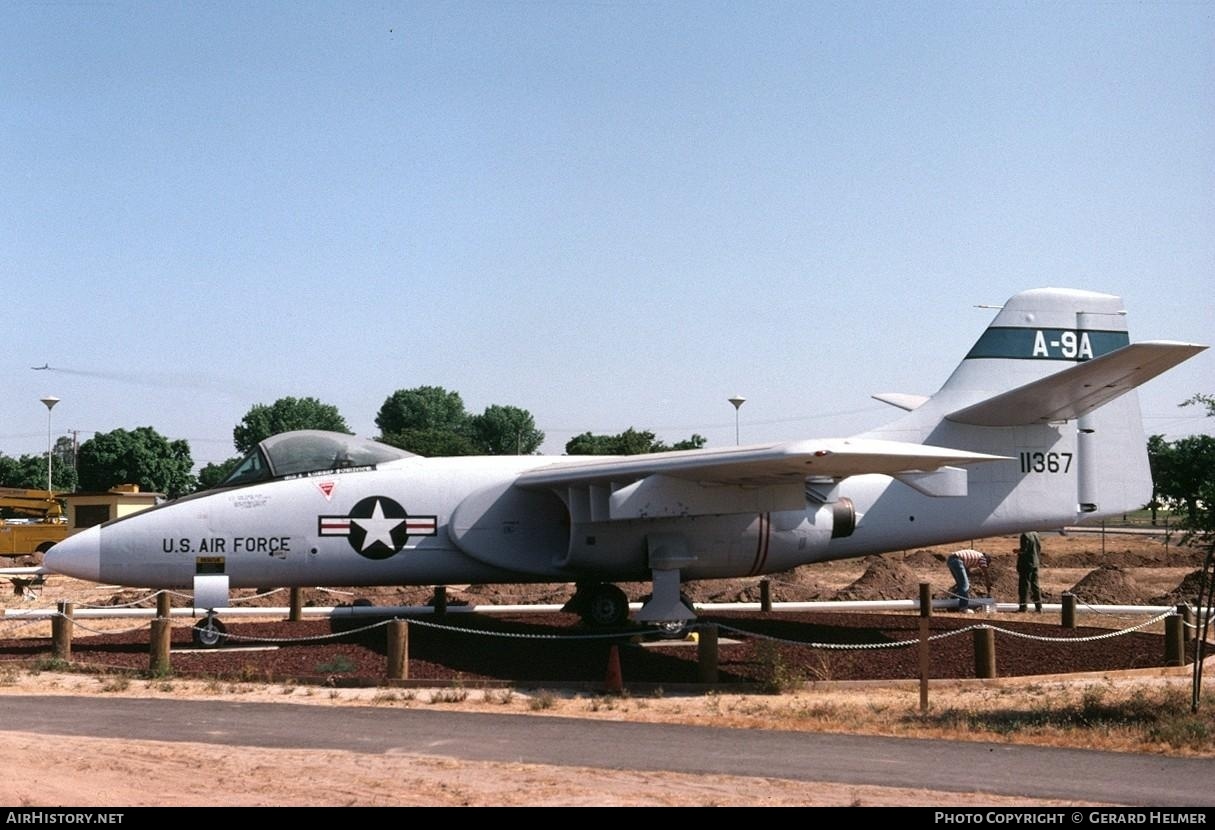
78 556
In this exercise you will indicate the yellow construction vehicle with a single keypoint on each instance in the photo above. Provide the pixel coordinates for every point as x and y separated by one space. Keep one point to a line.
45 524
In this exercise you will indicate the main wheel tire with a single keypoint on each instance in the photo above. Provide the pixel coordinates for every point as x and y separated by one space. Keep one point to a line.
605 607
209 633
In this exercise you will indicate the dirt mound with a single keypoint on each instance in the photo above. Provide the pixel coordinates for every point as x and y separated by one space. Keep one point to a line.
884 578
1109 585
1004 581
923 558
798 585
1187 591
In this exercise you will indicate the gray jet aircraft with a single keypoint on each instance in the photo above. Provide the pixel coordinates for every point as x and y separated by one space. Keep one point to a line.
1037 428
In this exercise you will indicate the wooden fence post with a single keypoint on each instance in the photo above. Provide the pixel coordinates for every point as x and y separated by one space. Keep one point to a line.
398 650
706 652
1174 641
61 632
161 636
1069 610
925 617
985 652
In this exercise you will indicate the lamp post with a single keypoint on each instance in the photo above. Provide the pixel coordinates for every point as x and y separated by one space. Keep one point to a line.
50 401
738 401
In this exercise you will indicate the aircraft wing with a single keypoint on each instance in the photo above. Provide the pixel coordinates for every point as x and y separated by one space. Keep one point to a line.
758 465
1079 389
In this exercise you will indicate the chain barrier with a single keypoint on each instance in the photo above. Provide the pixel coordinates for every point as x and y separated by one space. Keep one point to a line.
624 635
252 597
315 638
518 636
78 624
425 624
131 604
18 623
956 632
830 646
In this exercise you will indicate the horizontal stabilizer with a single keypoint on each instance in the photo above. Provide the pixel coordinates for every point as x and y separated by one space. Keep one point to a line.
901 399
947 481
1079 389
756 465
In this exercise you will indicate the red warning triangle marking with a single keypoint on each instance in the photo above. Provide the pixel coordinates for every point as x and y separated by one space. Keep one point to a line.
326 488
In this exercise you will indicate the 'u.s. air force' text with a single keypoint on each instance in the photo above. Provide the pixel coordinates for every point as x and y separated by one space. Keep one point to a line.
224 544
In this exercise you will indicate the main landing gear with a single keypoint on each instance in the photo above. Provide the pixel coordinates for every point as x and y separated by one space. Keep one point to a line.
603 605
600 605
209 632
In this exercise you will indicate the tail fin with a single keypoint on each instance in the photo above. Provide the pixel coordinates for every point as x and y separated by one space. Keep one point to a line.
1056 354
1051 384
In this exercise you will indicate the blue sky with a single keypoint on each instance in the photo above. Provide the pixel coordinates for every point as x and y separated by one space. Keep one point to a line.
609 213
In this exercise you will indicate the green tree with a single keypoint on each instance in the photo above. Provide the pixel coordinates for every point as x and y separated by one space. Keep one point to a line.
427 420
285 415
431 443
422 408
505 430
215 472
696 442
1158 460
140 456
629 442
1184 478
29 472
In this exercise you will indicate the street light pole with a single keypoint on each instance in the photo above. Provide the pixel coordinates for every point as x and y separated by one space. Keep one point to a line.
738 401
50 401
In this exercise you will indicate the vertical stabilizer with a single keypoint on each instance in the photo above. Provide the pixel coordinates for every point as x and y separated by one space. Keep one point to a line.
1050 383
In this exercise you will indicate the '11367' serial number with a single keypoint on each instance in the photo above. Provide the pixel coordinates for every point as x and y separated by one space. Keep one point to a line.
1046 462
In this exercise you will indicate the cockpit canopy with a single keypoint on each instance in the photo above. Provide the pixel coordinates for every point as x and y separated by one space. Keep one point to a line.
309 451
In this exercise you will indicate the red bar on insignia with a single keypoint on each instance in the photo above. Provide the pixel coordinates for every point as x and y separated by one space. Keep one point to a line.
425 524
337 525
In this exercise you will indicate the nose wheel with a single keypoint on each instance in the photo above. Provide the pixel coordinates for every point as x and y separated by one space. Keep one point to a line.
209 632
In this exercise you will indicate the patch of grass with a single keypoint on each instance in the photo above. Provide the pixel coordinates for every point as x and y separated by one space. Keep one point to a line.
499 696
49 664
116 683
1100 714
338 664
542 701
8 677
456 694
253 674
776 674
601 703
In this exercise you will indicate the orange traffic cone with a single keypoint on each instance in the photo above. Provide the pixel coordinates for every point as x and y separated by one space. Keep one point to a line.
614 683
